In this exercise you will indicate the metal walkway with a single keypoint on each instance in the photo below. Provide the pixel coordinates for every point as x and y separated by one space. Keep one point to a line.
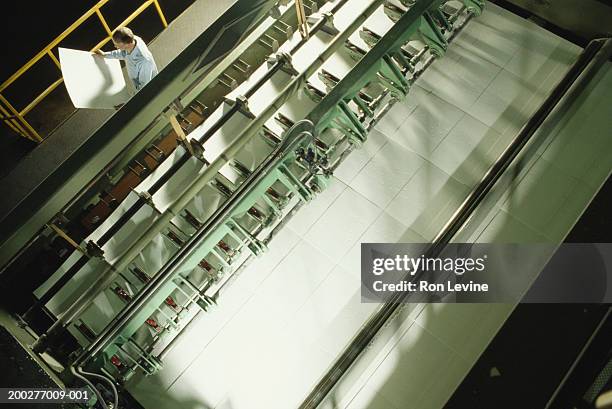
50 163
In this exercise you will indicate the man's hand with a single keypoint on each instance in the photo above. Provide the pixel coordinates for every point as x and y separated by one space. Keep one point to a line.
98 53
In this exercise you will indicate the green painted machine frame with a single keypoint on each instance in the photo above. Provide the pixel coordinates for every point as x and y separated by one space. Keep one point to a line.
382 64
276 169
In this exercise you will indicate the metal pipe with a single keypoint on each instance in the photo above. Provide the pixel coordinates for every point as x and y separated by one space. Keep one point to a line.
273 233
139 203
125 127
294 137
199 183
155 187
91 385
56 287
114 228
390 40
273 70
557 396
595 54
105 379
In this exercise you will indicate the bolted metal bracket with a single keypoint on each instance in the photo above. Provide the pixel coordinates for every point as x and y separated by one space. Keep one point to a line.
94 250
328 26
284 59
243 105
431 35
474 7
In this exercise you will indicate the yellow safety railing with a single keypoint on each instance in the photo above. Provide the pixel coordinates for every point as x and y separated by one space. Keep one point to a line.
15 118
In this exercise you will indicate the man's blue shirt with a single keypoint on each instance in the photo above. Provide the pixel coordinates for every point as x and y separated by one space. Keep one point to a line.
140 64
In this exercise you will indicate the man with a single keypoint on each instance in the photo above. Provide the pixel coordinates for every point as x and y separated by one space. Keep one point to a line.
139 61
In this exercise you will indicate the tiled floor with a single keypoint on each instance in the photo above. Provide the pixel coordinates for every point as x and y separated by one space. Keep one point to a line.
547 197
290 313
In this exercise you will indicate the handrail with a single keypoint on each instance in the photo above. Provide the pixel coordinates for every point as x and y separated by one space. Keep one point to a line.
15 118
140 202
597 52
244 136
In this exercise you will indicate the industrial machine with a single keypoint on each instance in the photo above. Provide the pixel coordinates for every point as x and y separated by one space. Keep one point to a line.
156 215
160 232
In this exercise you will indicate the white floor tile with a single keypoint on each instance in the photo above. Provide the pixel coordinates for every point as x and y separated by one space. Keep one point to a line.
150 393
386 173
385 229
602 168
536 64
428 200
523 33
342 224
353 164
507 103
294 280
321 309
260 267
396 116
356 382
478 221
216 367
348 321
504 20
368 398
569 213
438 393
467 152
299 367
486 41
310 212
459 79
428 124
583 147
332 315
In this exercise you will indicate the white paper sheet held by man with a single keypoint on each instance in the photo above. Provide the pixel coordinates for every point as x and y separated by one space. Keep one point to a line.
93 82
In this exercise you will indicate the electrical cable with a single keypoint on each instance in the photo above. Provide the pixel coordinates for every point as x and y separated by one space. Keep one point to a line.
91 385
109 381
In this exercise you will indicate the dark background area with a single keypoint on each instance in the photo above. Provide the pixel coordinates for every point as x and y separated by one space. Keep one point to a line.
537 346
28 27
